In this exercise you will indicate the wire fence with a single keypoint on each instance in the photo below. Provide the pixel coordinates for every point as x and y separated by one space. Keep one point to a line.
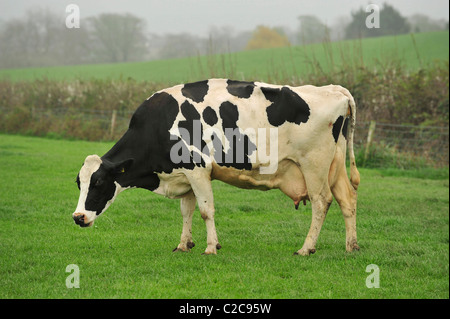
113 122
428 142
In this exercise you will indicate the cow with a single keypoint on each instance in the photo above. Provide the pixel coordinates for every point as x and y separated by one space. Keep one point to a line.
181 138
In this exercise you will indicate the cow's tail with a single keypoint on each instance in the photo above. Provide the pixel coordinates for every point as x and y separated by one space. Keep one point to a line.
354 174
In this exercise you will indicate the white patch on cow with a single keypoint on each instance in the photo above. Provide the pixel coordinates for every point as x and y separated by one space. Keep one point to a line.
90 166
208 133
173 185
119 189
268 85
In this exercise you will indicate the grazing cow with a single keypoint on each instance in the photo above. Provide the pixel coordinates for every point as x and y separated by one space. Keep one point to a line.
183 137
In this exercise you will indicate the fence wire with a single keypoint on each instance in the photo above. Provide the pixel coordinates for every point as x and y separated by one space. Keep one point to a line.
429 142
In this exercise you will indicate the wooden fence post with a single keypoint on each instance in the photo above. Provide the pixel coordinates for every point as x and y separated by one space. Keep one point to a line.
372 126
113 124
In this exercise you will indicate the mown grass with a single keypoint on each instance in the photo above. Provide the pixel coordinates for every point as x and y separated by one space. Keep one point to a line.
273 65
402 227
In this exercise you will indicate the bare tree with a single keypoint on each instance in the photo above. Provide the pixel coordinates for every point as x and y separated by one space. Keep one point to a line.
391 21
30 41
118 37
41 39
422 23
181 45
311 29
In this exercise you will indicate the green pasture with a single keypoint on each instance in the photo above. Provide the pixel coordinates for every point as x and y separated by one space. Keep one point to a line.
414 51
402 228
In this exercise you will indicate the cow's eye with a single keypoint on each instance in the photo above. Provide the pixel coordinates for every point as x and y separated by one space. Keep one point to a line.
99 182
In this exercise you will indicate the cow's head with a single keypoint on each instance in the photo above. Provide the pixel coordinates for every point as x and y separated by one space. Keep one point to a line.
97 181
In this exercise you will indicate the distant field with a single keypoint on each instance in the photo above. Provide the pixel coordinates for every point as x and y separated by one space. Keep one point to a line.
267 65
402 228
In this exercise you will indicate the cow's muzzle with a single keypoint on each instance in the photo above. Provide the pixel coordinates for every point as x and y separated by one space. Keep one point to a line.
80 219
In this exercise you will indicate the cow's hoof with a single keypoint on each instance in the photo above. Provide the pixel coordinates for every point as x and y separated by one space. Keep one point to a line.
305 252
353 247
186 248
190 245
218 246
210 251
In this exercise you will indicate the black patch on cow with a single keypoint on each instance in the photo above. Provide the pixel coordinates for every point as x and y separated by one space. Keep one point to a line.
191 115
196 91
241 147
286 106
240 88
229 114
148 142
337 125
209 116
101 190
160 113
194 129
156 113
345 128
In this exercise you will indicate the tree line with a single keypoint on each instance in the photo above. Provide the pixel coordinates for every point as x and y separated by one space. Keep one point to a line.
41 38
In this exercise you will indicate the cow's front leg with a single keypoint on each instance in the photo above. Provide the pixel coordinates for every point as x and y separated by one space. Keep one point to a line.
201 185
187 205
321 198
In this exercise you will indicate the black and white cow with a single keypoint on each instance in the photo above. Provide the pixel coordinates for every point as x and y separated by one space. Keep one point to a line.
247 134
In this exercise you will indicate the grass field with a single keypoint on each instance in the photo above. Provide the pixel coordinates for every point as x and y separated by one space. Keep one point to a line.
402 228
271 65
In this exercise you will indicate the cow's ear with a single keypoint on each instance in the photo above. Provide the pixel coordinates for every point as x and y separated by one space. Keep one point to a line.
122 167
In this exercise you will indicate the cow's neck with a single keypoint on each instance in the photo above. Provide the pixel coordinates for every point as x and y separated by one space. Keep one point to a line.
140 174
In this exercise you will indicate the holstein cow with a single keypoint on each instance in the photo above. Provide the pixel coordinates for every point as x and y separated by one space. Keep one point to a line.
183 137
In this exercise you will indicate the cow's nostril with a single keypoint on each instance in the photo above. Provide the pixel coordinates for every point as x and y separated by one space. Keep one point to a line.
78 218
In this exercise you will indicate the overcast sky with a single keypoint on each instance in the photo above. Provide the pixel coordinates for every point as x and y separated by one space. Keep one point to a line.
197 16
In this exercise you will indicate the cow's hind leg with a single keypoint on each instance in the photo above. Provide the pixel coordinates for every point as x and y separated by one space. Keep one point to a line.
320 204
201 185
187 205
346 196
